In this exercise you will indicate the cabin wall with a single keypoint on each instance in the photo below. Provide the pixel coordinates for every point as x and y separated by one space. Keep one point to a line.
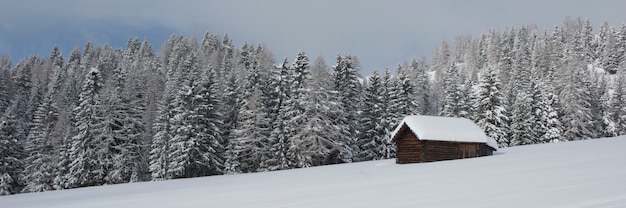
409 148
486 150
412 150
441 150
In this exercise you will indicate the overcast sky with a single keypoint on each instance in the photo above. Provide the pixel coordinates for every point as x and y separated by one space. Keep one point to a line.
380 33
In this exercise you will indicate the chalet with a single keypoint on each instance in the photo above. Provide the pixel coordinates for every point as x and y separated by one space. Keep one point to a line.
431 138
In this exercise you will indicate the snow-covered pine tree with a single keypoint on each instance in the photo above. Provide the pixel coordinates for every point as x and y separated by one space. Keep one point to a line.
11 155
230 109
346 83
66 99
250 138
522 121
403 93
209 50
21 105
575 107
126 108
323 128
451 92
546 126
86 167
520 64
280 82
491 114
5 74
610 46
372 131
40 165
163 134
195 147
422 86
618 104
394 106
295 112
608 126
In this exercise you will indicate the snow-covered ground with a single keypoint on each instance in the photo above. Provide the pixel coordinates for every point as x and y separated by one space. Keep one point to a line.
588 173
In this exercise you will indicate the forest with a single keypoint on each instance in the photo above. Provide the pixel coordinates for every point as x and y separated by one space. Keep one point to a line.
104 115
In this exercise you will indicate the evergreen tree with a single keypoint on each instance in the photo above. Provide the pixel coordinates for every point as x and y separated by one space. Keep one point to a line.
491 114
87 154
373 130
618 107
250 138
451 93
11 152
40 167
547 127
421 89
163 134
403 93
196 147
522 121
294 112
125 107
395 101
280 82
575 108
320 133
346 82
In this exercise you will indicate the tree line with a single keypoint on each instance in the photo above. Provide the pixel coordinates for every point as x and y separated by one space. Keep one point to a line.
197 108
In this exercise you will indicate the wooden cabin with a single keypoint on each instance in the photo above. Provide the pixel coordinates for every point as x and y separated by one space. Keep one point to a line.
430 138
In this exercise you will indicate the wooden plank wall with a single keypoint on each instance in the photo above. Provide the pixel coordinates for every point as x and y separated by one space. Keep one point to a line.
409 148
485 150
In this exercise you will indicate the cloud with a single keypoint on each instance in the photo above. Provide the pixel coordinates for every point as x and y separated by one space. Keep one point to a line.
381 33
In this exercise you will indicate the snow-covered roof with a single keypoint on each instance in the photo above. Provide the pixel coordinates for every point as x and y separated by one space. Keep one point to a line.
436 128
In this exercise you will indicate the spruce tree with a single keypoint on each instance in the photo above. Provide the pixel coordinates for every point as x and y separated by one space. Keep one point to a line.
294 112
11 153
575 107
87 152
491 113
196 147
40 166
372 130
346 83
321 132
522 121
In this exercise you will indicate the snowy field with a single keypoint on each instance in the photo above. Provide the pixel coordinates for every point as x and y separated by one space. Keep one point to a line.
588 173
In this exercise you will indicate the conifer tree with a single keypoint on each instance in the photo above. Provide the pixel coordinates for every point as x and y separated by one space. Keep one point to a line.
451 93
403 93
373 130
346 83
163 134
491 113
11 152
250 138
522 121
295 111
320 132
575 107
280 82
196 147
87 152
40 166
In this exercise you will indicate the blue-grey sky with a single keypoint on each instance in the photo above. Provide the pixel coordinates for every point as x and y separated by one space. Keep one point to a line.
380 33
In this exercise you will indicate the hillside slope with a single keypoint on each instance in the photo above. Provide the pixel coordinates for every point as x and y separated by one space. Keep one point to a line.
588 173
